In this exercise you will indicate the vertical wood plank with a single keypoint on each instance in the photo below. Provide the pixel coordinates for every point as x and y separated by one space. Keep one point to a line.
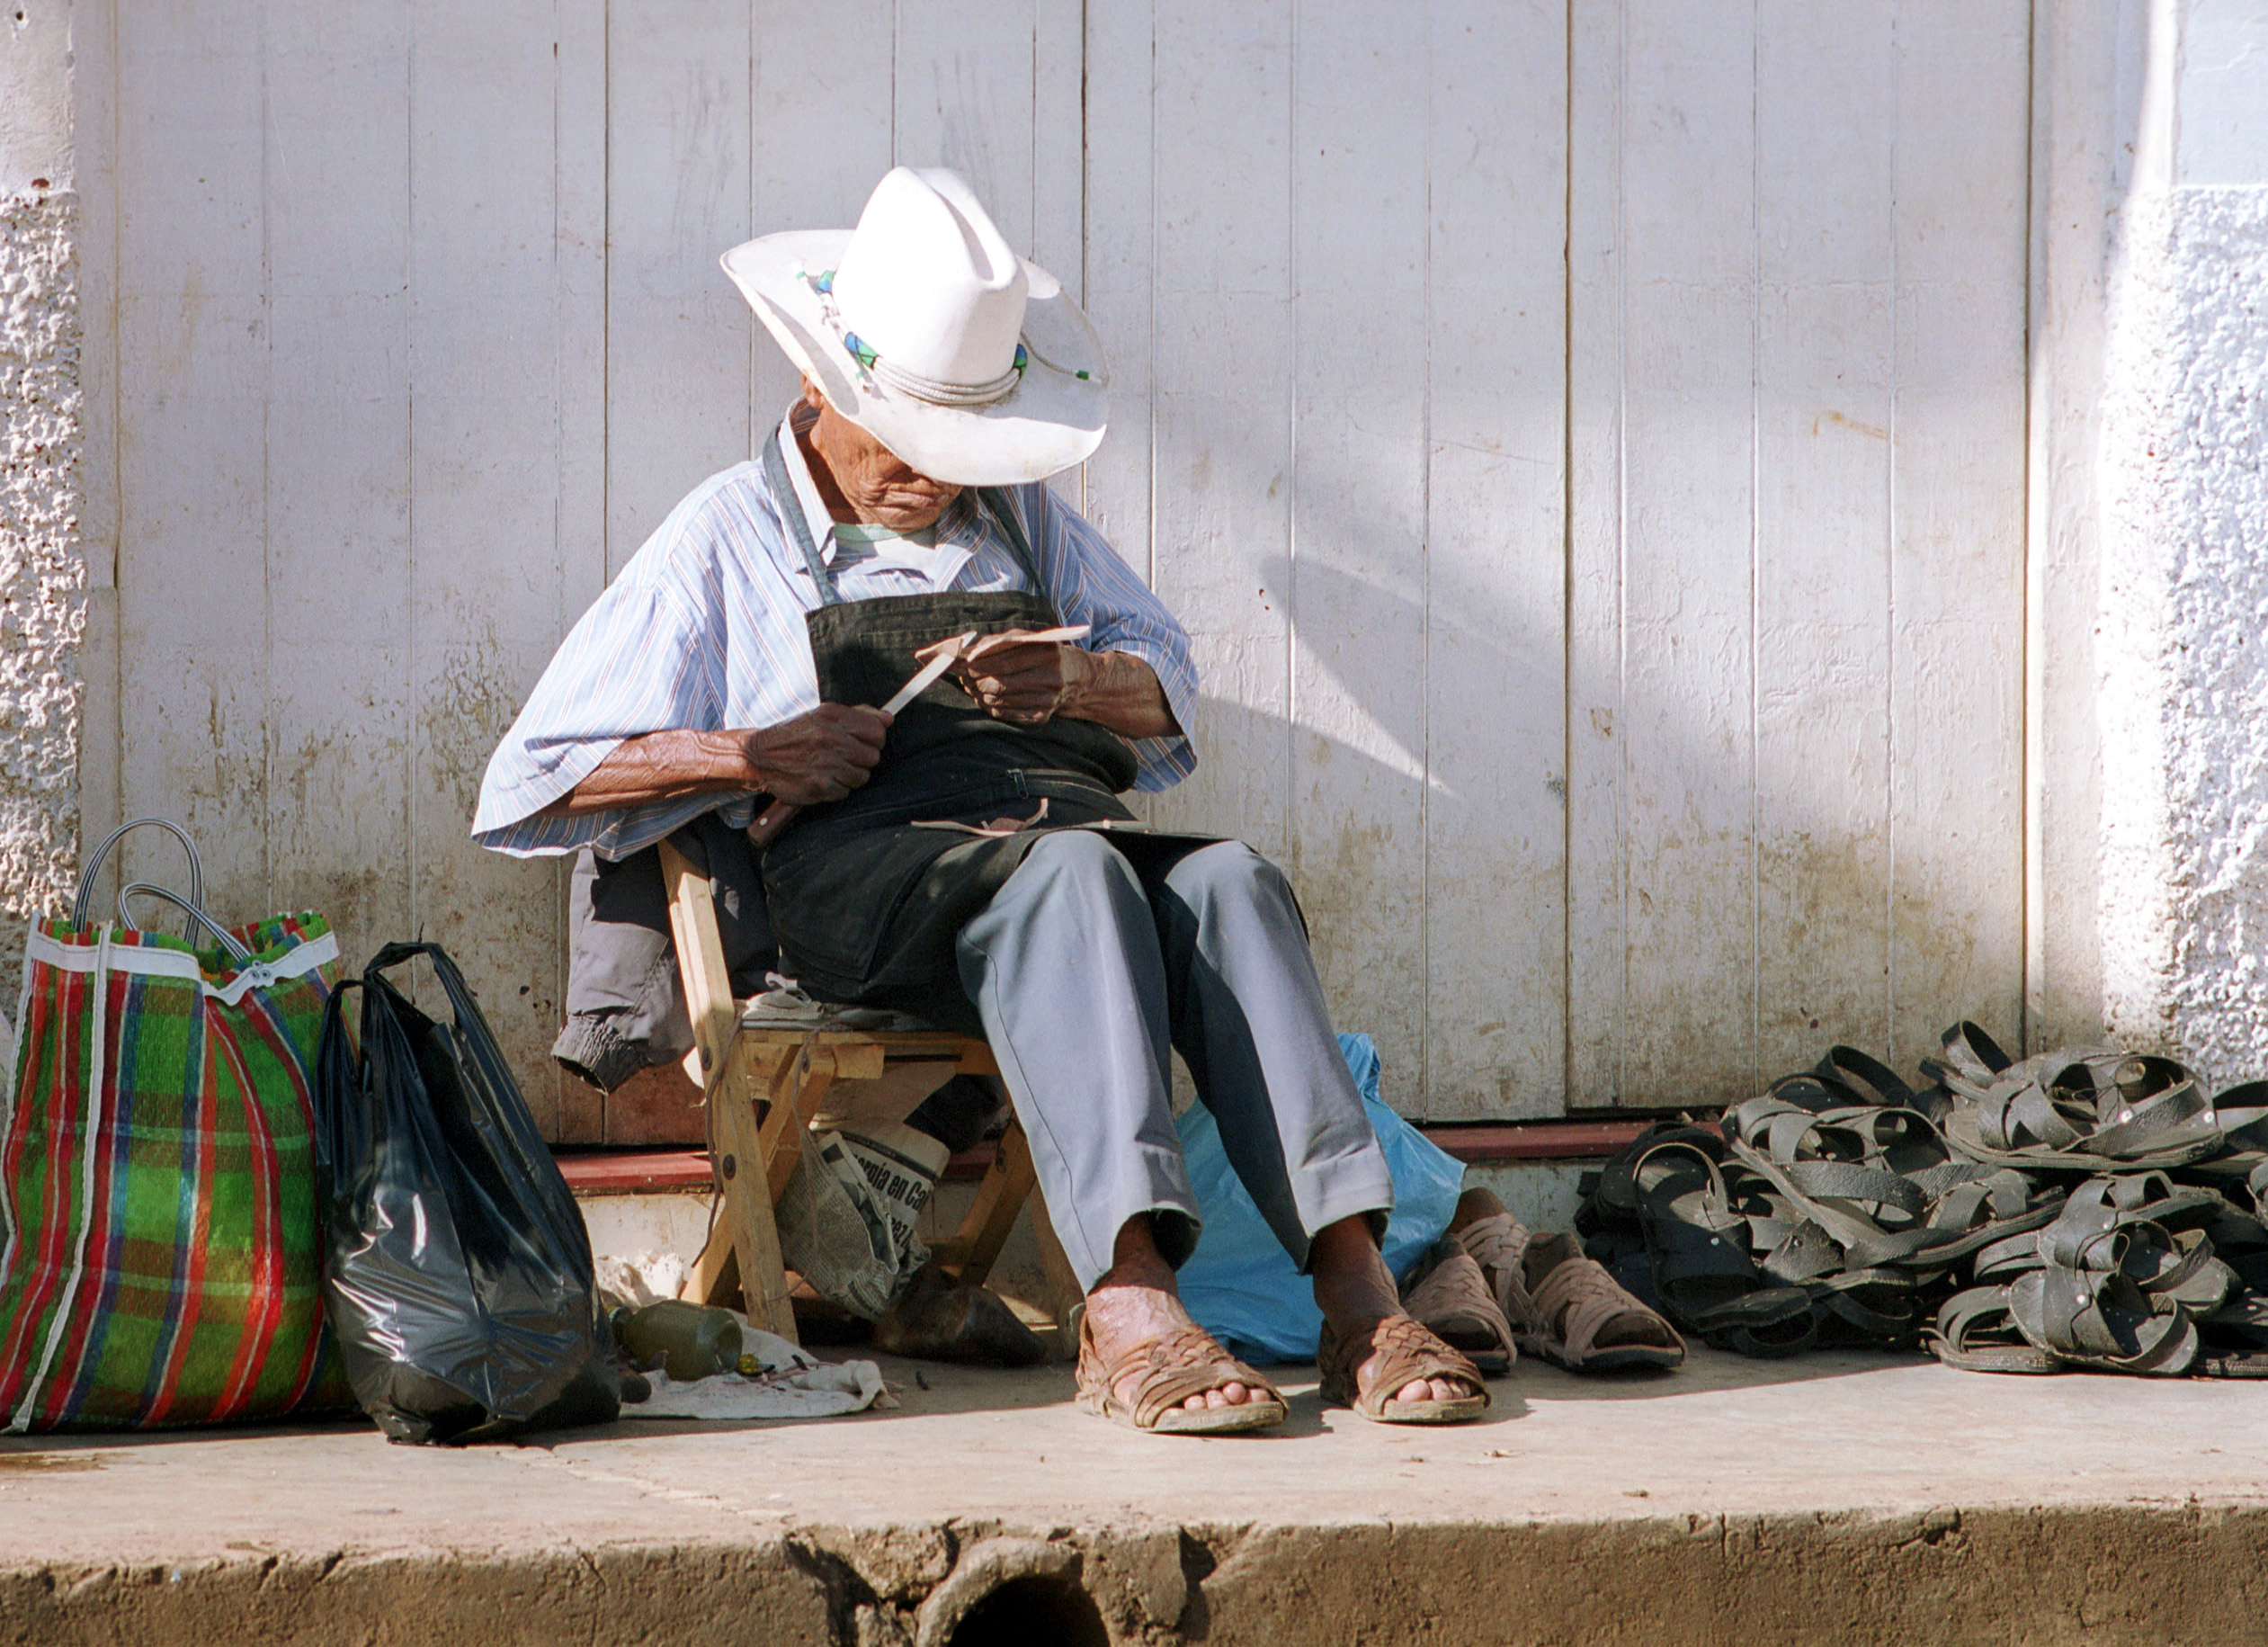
1495 641
1597 882
1825 354
486 575
1058 183
1672 1002
1883 367
1221 400
95 86
817 68
337 503
679 336
965 99
1118 257
1059 143
1357 580
579 333
192 351
1958 549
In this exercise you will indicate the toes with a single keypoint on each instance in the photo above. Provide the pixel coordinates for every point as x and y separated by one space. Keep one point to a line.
1227 1395
1433 1390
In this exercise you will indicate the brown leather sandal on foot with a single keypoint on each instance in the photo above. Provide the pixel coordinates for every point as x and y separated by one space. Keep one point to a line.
1406 1352
1452 1297
1174 1368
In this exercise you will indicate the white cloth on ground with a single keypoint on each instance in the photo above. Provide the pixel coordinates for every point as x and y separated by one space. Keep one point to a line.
796 1385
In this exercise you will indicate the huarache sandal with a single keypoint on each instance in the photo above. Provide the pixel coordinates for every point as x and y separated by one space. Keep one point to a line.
1406 1352
2092 1108
1452 1298
1698 1243
1573 1312
1173 1368
1976 1333
2093 1320
1562 1305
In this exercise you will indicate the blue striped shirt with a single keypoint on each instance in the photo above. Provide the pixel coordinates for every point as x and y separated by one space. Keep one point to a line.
703 629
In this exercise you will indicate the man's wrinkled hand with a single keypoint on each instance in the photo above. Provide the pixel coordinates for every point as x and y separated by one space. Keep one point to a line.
1025 682
819 756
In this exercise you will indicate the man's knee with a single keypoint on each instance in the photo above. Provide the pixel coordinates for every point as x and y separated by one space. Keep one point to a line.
1228 869
1079 860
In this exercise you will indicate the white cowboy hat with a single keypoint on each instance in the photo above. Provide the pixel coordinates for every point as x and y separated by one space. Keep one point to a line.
921 327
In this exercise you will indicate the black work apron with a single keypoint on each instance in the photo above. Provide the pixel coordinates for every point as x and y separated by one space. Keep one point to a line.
867 894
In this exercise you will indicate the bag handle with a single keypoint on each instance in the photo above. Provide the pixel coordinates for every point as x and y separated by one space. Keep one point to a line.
235 952
83 904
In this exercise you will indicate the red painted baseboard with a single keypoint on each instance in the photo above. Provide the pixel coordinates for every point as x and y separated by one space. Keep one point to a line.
617 1172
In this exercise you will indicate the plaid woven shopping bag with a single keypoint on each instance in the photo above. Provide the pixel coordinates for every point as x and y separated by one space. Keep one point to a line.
159 1234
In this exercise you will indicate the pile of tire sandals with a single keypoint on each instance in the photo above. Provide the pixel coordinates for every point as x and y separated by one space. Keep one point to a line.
2085 1209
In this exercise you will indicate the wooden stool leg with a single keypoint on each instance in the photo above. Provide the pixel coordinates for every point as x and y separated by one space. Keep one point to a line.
701 962
971 1250
715 1276
1067 1302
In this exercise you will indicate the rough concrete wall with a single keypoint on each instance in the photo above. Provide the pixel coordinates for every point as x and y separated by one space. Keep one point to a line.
2214 510
2181 657
43 565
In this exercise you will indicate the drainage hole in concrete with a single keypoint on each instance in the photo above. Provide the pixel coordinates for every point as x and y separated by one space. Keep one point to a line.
1027 1611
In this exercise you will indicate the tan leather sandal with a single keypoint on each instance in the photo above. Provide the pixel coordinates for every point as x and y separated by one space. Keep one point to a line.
1565 1307
1173 1368
1408 1351
1453 1298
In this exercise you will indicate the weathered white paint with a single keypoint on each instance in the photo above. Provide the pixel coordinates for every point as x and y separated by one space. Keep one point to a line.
1344 263
37 142
418 332
1796 276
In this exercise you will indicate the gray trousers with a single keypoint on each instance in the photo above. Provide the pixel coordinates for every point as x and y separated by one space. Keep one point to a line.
1095 958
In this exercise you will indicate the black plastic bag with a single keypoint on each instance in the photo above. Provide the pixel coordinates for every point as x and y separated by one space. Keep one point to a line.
457 1273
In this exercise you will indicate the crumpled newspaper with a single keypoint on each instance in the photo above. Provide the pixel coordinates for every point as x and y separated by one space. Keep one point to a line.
785 1005
791 1382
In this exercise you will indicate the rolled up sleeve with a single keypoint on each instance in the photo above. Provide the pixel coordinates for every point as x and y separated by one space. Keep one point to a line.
1089 584
638 661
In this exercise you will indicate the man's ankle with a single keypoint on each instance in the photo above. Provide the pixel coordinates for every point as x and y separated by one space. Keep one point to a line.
1139 1272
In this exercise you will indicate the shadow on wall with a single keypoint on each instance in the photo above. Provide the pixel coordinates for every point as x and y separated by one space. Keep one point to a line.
1440 891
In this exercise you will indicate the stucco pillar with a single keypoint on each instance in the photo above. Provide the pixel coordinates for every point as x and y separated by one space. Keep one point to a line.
2150 534
42 560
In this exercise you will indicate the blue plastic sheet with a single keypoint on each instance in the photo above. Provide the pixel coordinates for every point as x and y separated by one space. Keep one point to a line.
1241 1285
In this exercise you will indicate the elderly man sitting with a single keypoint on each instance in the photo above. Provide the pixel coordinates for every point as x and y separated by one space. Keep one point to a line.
969 860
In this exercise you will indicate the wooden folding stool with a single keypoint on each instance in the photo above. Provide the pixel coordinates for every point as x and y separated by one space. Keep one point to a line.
789 1069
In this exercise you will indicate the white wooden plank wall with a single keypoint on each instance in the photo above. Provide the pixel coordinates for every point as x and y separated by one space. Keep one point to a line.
1346 260
1796 549
420 332
359 455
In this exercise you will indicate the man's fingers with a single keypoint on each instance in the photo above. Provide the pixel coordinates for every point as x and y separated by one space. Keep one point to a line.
868 725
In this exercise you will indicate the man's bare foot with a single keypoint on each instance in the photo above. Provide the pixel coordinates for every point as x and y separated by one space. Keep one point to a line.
1135 1304
1355 1291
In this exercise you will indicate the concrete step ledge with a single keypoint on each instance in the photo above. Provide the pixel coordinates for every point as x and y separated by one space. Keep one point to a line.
2123 1575
1838 1498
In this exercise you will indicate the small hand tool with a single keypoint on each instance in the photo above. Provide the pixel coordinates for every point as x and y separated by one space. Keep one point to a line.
941 658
